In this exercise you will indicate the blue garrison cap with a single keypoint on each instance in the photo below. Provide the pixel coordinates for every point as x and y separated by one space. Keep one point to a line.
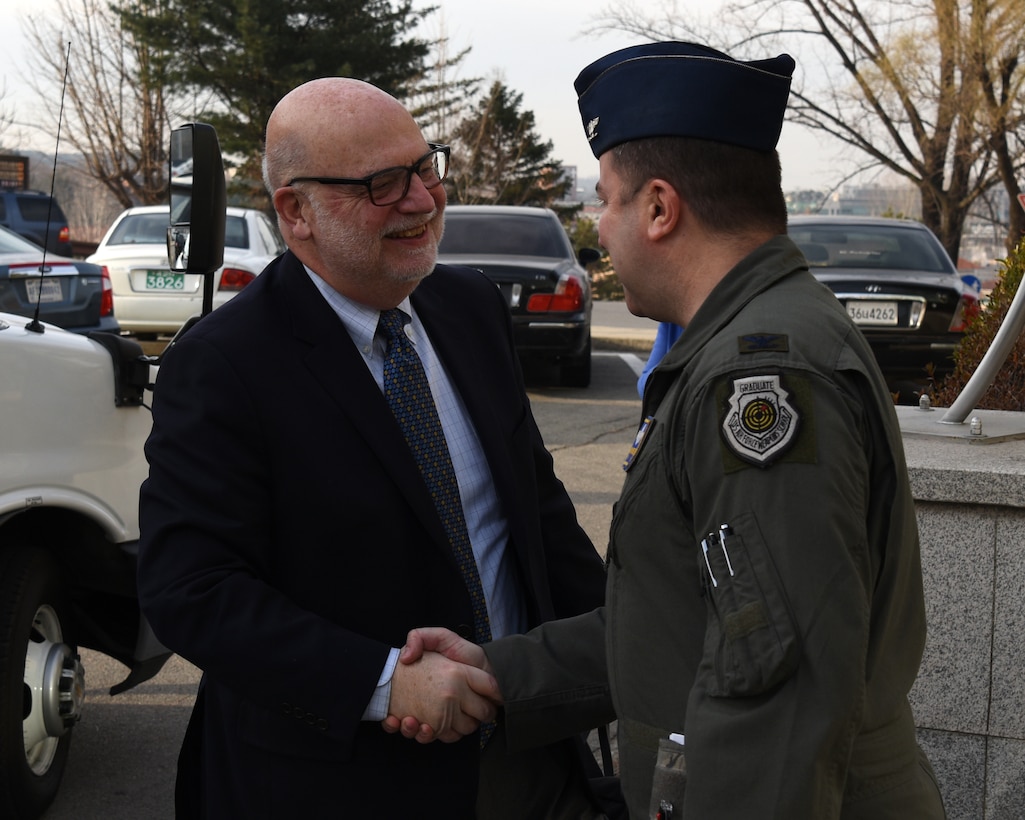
683 90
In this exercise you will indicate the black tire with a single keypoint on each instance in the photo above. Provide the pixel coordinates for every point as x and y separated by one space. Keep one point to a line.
30 585
577 372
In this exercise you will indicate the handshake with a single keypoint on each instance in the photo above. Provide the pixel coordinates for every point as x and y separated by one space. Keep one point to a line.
442 688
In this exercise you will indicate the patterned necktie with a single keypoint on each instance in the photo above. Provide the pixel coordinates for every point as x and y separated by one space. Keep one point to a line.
408 394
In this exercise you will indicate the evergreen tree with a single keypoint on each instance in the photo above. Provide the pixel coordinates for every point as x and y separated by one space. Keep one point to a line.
240 57
498 158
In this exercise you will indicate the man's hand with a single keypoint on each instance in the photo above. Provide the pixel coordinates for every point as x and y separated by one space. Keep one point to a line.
420 643
445 642
441 699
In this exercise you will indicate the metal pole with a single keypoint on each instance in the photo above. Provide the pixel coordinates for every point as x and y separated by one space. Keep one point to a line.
991 363
994 359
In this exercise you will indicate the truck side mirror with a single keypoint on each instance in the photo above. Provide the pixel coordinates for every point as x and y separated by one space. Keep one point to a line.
195 237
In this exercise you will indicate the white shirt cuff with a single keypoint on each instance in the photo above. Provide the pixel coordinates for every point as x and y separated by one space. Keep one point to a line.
377 709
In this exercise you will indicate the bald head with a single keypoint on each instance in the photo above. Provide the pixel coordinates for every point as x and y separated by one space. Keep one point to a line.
329 122
321 137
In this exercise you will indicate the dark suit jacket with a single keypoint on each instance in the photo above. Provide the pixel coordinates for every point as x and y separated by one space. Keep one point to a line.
288 542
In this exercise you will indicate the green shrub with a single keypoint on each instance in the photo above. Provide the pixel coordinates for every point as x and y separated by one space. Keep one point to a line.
605 286
1008 389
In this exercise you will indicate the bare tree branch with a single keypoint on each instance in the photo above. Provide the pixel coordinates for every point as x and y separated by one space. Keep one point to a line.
116 110
932 90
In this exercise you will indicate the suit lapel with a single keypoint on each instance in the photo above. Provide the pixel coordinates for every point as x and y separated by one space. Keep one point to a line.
333 361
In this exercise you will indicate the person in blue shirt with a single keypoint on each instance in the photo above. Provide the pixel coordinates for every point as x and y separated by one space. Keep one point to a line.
665 338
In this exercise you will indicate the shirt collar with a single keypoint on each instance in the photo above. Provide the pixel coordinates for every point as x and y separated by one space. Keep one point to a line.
359 320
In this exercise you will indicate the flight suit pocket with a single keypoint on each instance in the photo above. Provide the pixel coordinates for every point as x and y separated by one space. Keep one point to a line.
670 781
751 641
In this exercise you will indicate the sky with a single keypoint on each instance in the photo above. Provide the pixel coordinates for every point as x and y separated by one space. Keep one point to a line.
535 47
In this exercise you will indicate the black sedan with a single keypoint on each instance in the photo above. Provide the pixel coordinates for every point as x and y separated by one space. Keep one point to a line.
66 292
899 285
525 251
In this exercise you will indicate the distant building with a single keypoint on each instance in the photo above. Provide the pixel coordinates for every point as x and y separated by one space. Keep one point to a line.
570 172
875 200
805 201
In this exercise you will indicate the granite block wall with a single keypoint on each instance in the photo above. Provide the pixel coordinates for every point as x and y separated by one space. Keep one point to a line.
969 699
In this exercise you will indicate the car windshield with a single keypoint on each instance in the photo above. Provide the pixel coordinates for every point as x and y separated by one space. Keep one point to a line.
12 243
39 209
870 246
503 235
151 229
141 229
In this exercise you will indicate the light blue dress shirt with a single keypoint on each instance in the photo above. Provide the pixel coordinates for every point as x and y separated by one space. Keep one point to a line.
486 522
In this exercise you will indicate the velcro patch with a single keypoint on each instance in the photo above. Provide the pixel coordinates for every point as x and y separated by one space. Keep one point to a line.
760 423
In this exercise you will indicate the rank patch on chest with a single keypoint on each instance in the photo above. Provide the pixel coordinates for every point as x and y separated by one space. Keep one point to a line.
760 422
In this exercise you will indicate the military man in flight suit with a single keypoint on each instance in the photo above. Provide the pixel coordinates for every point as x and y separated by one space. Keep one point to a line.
764 599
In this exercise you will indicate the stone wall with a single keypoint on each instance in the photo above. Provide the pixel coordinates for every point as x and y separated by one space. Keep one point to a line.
969 699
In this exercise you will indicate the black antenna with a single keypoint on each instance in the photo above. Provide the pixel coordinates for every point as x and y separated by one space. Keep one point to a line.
35 325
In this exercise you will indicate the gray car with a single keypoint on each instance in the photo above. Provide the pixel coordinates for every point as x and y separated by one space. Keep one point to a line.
69 293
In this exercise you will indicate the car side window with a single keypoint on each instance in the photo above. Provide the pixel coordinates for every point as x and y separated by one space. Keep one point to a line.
38 209
269 235
236 232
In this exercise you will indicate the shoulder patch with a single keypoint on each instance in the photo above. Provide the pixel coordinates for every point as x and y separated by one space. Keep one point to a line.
761 422
763 342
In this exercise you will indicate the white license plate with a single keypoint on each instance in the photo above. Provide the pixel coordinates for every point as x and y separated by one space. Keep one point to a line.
164 280
873 313
44 291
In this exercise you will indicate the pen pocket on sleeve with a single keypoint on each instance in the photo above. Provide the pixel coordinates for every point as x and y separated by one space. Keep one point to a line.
751 641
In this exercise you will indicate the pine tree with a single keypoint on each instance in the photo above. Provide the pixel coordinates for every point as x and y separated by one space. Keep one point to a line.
240 57
498 157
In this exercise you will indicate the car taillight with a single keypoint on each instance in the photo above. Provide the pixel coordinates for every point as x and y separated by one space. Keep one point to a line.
967 309
235 278
64 235
568 297
106 293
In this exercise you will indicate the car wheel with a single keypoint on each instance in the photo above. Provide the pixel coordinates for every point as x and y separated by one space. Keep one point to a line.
577 372
42 684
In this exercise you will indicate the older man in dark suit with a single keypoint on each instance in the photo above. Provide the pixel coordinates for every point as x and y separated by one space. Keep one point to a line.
295 526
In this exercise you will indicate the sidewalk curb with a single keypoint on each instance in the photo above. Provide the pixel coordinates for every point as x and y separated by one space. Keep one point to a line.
622 340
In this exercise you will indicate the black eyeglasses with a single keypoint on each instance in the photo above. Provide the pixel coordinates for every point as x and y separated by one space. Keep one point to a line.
392 184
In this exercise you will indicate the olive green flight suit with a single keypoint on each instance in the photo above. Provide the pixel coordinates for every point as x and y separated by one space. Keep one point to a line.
764 592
